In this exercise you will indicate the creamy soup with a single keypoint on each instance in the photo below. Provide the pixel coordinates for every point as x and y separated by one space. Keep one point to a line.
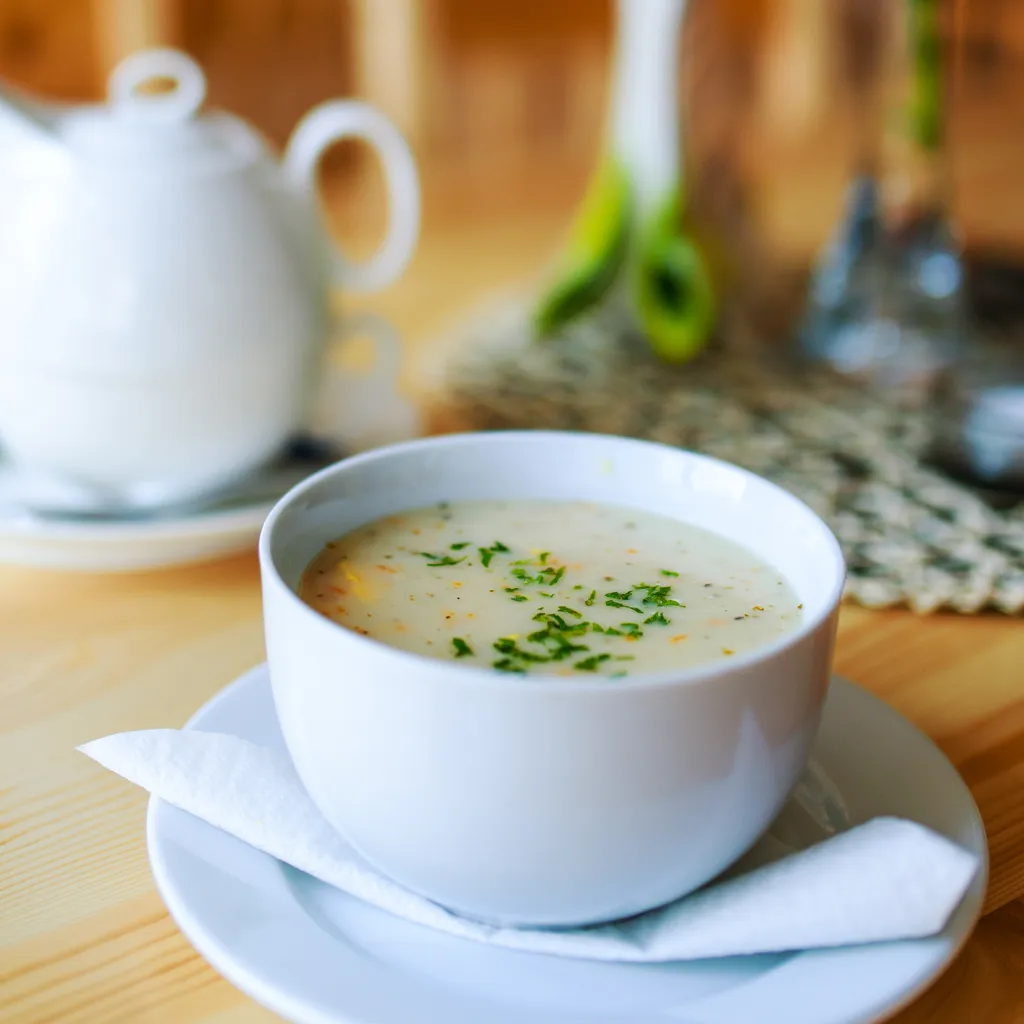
550 588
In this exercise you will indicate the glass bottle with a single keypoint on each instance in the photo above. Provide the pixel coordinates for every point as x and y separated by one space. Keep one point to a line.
886 302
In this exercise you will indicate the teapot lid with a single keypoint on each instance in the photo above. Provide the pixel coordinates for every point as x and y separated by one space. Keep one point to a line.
161 131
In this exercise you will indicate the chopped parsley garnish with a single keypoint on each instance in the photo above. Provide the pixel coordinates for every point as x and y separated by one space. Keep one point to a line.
558 634
592 663
547 577
442 559
524 577
486 554
507 665
506 645
551 619
657 596
462 649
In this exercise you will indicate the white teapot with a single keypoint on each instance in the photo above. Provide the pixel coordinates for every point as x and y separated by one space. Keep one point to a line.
164 282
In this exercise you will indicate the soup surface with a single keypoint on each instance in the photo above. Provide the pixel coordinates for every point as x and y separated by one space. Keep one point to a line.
552 588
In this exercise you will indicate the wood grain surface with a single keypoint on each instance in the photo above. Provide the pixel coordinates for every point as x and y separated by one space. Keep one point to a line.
84 939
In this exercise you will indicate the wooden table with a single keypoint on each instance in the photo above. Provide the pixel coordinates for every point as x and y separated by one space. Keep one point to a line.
83 935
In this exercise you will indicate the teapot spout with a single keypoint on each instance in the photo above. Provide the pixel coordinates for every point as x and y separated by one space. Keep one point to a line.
26 127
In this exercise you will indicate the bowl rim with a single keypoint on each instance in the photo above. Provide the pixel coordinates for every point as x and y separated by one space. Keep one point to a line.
456 673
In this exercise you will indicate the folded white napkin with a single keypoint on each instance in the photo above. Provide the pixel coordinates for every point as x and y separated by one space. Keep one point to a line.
887 879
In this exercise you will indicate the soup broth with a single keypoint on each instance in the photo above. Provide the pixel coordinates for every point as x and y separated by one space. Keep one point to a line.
550 588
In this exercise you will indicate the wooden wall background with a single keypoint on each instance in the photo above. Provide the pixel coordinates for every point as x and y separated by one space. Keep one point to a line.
503 99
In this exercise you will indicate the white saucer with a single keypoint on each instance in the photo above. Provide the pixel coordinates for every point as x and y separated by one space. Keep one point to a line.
124 546
317 956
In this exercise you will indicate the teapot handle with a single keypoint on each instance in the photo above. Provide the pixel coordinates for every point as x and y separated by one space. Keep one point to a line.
342 119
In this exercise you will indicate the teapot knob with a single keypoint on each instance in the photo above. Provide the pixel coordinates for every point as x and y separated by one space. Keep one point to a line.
176 104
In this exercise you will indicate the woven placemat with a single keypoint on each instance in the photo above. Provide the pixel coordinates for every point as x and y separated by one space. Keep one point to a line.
911 535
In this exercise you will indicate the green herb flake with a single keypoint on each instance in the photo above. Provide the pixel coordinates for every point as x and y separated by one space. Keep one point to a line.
628 607
506 645
590 600
564 647
508 665
668 572
570 611
579 586
447 560
543 557
524 577
592 663
486 554
462 649
657 595
462 544
520 597
617 596
658 619
552 619
543 594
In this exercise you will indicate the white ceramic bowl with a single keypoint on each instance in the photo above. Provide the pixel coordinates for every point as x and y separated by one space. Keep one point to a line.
546 801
